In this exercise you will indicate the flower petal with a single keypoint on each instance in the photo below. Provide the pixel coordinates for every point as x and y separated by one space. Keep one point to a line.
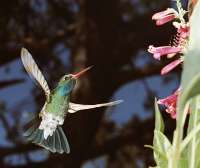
170 103
171 66
168 11
165 19
165 16
164 50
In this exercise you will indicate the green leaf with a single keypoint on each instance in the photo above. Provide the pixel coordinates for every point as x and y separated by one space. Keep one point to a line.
183 163
159 124
162 144
190 82
157 151
190 88
190 78
192 140
194 28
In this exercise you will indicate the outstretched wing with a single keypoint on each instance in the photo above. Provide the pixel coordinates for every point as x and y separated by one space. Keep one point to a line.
33 70
73 107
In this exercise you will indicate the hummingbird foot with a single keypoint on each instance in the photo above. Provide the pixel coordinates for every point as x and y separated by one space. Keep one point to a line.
49 124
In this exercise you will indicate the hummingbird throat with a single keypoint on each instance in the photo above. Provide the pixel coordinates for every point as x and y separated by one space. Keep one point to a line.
49 124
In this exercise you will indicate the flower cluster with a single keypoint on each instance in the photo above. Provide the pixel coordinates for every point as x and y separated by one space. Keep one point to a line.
176 49
180 42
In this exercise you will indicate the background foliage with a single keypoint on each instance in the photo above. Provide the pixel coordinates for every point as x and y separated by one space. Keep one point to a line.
64 36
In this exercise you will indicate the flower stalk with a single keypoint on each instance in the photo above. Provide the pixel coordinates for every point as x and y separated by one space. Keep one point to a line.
184 149
174 158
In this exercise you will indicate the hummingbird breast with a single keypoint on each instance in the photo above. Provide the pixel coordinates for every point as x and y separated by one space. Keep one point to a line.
65 90
59 102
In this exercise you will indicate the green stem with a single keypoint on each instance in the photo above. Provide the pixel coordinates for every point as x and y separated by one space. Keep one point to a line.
173 159
192 161
181 11
190 137
193 133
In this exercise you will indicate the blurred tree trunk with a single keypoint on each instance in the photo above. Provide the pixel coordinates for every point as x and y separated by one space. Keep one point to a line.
95 44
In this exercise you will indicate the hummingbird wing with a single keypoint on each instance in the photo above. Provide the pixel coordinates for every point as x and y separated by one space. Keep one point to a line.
73 107
33 70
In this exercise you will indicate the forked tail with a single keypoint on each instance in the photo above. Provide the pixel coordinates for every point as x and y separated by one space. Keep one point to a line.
55 143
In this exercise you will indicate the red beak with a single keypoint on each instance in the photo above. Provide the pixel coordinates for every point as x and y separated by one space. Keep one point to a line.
77 75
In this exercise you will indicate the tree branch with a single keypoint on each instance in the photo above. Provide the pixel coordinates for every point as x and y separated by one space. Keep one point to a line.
8 83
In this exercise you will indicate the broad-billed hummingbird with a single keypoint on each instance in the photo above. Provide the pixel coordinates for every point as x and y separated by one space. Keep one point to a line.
48 132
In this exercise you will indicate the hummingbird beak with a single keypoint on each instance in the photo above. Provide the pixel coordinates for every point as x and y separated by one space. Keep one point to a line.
77 75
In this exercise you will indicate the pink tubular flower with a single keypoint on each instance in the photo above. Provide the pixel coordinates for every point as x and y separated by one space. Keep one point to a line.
170 103
171 66
179 44
165 16
164 50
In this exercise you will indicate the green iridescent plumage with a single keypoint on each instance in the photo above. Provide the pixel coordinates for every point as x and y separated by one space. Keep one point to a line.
48 132
59 99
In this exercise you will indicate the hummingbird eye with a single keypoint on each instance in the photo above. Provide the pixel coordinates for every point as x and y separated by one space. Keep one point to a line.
67 77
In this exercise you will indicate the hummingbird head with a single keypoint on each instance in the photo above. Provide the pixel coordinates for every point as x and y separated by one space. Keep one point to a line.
68 81
66 84
73 77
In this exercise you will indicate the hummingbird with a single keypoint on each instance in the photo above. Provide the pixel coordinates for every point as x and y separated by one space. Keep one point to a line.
47 132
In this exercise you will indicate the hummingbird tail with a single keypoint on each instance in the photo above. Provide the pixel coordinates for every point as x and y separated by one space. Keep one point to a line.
55 143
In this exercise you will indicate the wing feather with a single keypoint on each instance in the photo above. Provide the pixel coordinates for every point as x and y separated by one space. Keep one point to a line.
33 70
73 107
